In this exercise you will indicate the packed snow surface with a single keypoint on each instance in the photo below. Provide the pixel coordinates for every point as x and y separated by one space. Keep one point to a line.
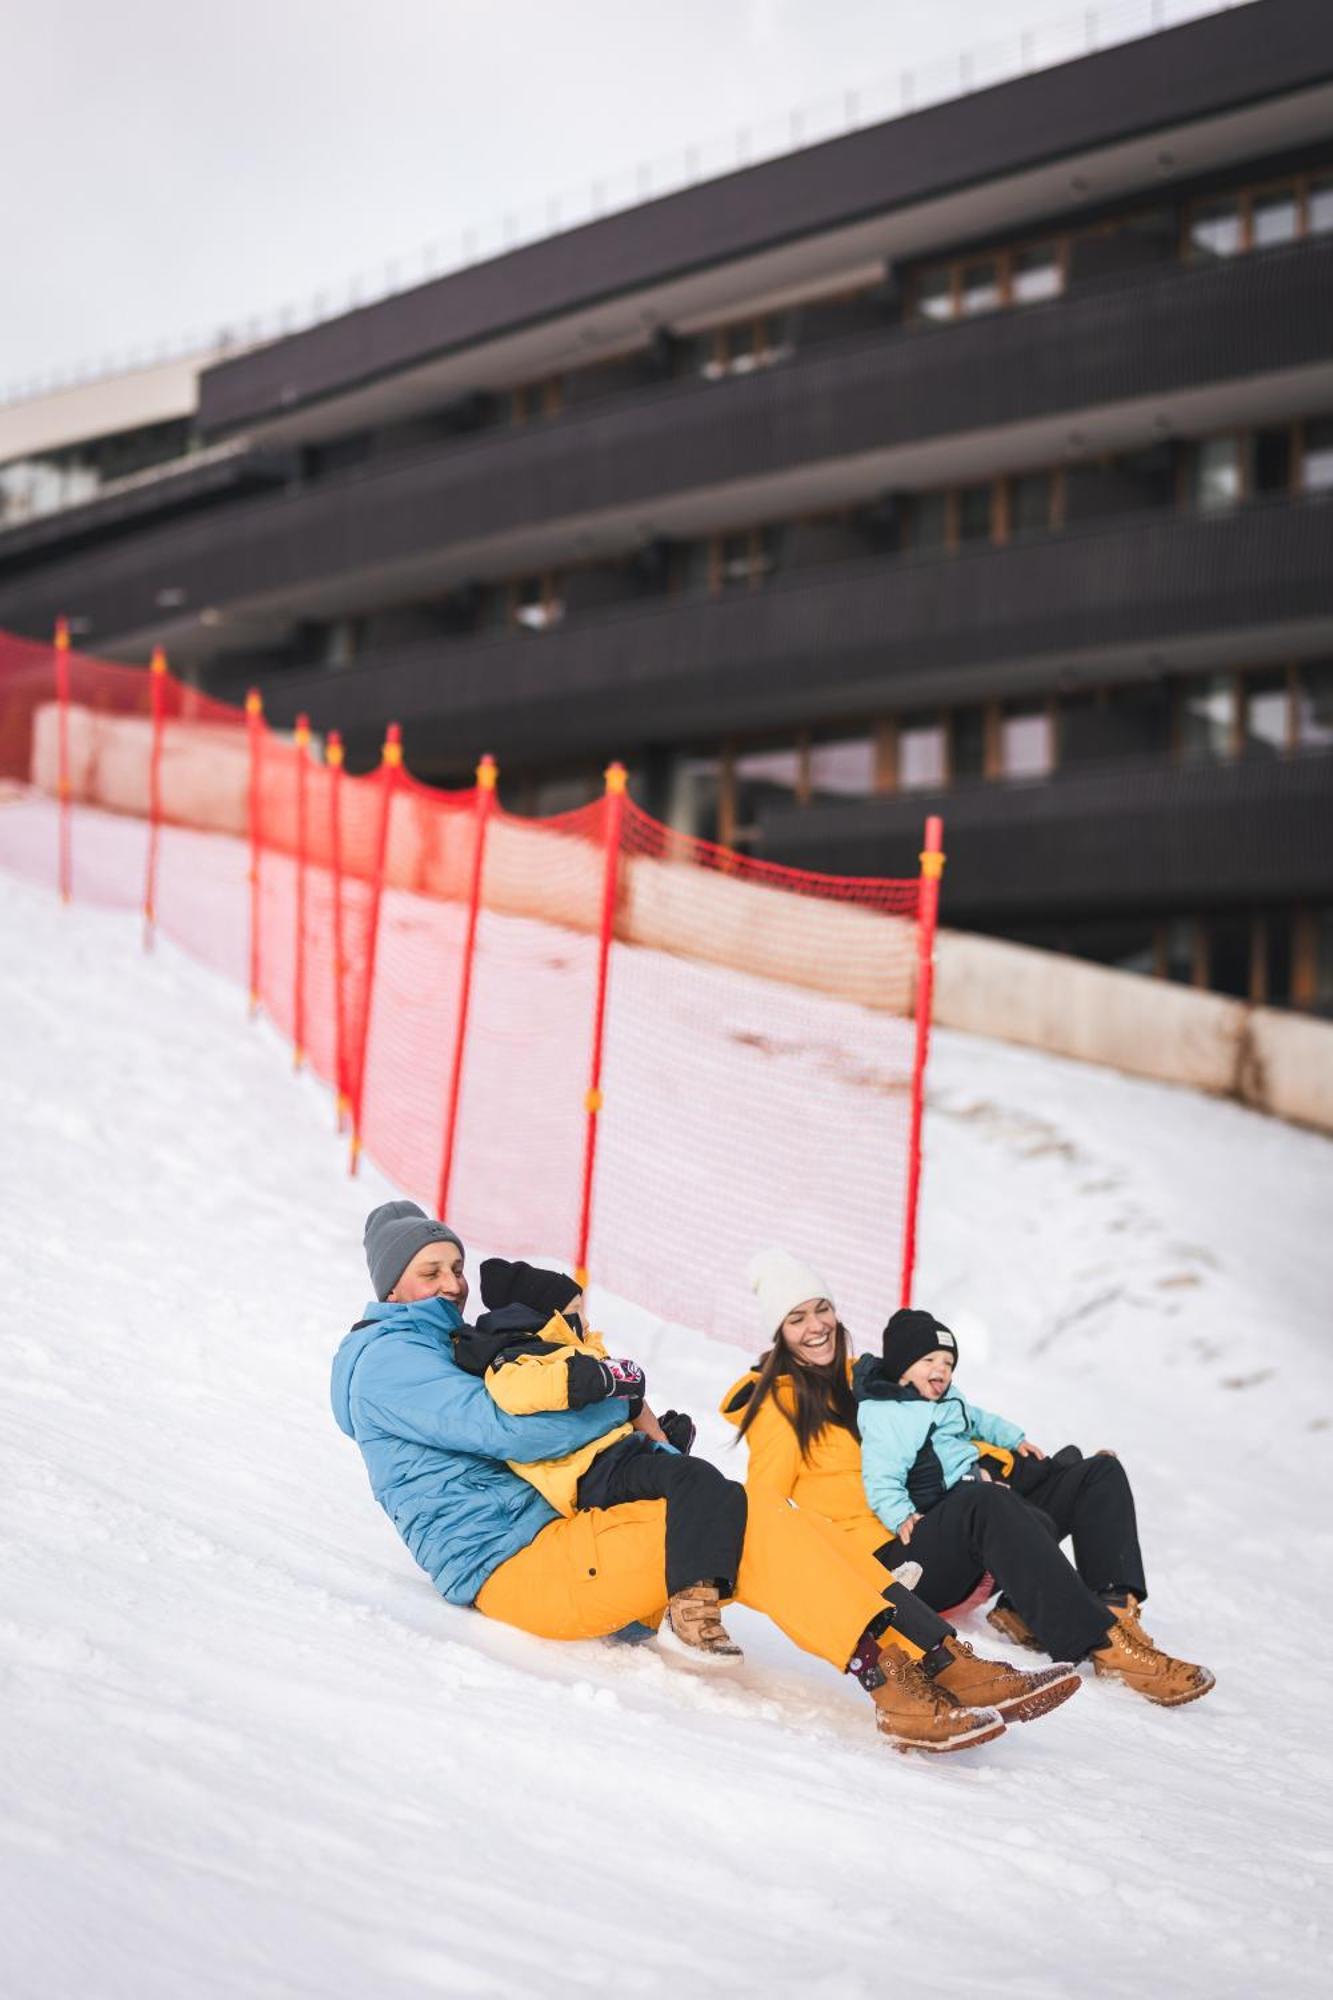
246 1749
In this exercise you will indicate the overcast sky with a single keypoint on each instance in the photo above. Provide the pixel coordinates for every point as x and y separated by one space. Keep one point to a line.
170 168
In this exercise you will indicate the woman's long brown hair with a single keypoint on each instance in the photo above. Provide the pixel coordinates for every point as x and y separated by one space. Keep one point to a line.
823 1395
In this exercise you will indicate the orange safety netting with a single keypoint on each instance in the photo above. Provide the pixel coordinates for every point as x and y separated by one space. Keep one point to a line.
588 1037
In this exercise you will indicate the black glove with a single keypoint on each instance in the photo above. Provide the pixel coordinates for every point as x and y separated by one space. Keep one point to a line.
506 1284
678 1430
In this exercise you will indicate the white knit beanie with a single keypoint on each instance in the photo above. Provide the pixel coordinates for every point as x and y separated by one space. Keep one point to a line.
781 1282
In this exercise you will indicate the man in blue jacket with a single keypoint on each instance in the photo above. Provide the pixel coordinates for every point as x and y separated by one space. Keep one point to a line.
435 1445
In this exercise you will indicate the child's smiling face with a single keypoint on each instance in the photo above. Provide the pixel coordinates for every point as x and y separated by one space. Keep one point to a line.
930 1376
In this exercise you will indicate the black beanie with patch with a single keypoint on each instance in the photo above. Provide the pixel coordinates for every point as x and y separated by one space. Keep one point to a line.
509 1282
910 1336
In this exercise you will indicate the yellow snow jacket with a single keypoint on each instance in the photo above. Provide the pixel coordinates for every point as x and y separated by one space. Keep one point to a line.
828 1481
540 1373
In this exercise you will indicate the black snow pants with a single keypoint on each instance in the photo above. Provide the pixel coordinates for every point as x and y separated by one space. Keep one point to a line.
705 1512
978 1527
1091 1501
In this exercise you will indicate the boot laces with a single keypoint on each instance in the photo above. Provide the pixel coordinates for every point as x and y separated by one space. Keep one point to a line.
910 1674
1135 1641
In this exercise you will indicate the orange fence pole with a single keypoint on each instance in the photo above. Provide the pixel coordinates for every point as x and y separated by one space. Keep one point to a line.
333 758
302 743
65 861
486 776
932 867
616 781
254 728
158 689
391 765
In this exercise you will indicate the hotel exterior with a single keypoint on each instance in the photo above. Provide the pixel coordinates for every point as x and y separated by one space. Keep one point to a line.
979 462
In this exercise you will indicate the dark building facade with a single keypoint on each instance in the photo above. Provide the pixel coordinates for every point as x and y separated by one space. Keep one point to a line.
978 462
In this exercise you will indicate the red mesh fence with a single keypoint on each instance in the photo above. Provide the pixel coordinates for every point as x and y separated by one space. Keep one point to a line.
747 1103
588 1037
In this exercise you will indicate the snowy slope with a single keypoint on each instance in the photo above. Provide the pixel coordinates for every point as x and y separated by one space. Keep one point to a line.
245 1749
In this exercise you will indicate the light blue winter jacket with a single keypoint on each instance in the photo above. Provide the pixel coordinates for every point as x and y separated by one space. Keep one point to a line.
913 1450
435 1444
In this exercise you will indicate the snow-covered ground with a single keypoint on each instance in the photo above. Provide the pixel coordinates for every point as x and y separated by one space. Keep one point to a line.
246 1750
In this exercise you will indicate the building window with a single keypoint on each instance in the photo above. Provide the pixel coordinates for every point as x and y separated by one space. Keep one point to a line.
1275 217
1032 504
1312 721
1207 719
1219 474
923 754
979 288
1317 456
1312 960
1217 229
962 288
1319 205
342 642
1258 218
695 800
930 522
760 778
934 294
1036 273
1026 740
844 767
535 603
970 745
973 513
1265 714
740 561
535 400
740 348
1175 950
1271 460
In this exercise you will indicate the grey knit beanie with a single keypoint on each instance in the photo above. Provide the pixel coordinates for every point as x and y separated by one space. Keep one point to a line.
395 1231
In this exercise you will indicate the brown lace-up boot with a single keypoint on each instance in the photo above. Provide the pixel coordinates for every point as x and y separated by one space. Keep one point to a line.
1017 1696
1129 1655
1006 1621
693 1628
915 1713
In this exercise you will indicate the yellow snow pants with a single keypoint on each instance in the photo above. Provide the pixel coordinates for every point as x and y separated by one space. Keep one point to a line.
589 1575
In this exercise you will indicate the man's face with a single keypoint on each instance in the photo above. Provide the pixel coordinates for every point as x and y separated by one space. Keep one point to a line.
436 1272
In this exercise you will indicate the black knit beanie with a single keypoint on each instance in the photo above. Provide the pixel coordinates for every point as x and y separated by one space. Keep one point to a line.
506 1283
910 1336
395 1231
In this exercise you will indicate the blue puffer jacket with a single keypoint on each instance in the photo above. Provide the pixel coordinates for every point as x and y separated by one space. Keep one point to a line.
435 1444
913 1450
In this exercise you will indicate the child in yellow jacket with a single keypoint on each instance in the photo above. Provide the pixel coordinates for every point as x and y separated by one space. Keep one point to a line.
535 1354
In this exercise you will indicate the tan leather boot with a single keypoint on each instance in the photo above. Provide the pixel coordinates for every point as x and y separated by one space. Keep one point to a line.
1129 1655
1017 1696
914 1713
1006 1621
693 1628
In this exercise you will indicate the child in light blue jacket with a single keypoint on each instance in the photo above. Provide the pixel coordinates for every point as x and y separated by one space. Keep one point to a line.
918 1436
